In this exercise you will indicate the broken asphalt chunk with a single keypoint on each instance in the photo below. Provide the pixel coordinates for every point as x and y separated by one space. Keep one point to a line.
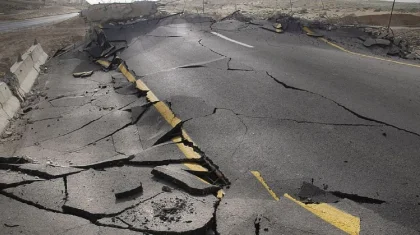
272 29
315 34
16 160
310 193
114 51
49 194
162 154
174 132
152 127
33 219
91 193
41 170
174 213
83 74
118 160
11 179
394 50
127 141
138 111
97 130
371 42
189 182
94 50
357 198
124 191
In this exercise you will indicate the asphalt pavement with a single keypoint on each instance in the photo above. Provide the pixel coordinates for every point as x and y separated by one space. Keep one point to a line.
7 26
312 140
292 108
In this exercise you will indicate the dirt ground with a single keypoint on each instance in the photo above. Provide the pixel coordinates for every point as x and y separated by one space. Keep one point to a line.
308 9
45 11
405 21
26 9
51 37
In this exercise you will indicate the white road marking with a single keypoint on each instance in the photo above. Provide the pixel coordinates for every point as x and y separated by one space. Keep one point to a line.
229 39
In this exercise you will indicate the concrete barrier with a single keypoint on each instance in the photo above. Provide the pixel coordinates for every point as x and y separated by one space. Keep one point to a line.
119 11
9 106
25 71
39 57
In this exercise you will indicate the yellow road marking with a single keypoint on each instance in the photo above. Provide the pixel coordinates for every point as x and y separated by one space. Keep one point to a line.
340 219
170 117
104 63
220 194
306 29
127 74
262 181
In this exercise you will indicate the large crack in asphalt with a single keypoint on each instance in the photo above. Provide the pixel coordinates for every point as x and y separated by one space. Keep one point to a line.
79 213
199 42
341 105
313 93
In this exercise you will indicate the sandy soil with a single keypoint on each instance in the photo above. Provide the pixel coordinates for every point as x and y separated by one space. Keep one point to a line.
51 37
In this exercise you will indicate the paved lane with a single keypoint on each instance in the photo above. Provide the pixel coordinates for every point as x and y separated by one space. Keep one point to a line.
292 108
14 25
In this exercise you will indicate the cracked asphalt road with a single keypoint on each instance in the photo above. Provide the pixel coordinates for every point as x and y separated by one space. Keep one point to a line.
292 108
273 117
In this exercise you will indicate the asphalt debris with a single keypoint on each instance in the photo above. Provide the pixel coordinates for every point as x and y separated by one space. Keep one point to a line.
188 182
124 193
83 74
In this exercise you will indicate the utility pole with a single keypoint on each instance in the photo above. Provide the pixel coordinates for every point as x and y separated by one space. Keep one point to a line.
203 6
390 17
291 6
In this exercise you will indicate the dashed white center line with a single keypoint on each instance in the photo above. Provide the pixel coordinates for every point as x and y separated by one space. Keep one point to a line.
229 39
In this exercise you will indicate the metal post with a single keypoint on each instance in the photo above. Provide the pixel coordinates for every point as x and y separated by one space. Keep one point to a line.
390 17
203 6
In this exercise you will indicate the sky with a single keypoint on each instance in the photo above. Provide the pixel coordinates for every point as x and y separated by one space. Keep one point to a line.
109 1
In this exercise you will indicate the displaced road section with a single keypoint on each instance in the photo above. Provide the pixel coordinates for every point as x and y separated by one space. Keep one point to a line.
301 138
7 26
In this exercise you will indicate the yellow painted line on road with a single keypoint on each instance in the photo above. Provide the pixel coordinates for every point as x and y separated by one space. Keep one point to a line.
306 29
262 181
104 63
170 117
126 73
340 219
